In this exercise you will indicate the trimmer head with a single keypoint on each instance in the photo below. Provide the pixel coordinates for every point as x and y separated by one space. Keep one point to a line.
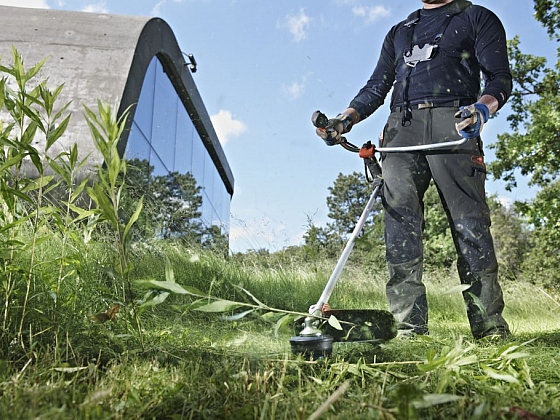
311 341
316 346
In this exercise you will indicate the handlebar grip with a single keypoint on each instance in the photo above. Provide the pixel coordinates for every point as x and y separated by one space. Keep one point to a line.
319 119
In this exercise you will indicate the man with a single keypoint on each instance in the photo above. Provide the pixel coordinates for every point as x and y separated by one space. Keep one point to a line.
434 61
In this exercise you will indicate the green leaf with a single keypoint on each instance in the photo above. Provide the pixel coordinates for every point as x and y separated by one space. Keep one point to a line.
333 322
33 72
282 321
71 369
13 161
156 300
457 289
237 317
37 183
169 275
430 400
219 306
258 302
169 287
78 190
504 377
273 317
55 134
134 218
2 92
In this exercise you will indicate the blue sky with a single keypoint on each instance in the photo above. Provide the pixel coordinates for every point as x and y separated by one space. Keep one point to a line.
264 66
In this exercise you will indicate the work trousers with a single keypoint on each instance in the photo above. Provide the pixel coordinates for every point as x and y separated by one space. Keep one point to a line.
459 174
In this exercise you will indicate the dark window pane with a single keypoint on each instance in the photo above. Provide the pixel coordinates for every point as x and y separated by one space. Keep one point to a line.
159 166
199 158
137 146
143 116
184 143
164 127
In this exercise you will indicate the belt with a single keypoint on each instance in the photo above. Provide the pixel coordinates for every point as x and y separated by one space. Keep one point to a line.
426 105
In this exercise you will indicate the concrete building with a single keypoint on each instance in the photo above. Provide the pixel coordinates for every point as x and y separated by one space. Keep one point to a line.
131 63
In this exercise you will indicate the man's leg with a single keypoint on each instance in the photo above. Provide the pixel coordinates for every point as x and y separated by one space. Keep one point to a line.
406 178
460 178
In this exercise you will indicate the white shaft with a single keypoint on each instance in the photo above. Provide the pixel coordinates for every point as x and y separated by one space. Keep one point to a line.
316 309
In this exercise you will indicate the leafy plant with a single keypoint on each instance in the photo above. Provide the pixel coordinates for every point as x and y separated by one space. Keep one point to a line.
107 191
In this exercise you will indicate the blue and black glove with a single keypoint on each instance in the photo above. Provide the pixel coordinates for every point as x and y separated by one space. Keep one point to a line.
332 132
473 118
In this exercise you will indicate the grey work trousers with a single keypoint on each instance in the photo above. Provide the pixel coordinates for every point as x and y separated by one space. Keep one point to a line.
459 175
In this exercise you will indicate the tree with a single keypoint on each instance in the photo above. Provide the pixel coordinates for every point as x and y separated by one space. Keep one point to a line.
511 237
172 205
547 12
533 146
347 200
180 202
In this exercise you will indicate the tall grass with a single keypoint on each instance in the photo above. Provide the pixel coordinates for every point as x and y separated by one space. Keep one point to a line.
66 353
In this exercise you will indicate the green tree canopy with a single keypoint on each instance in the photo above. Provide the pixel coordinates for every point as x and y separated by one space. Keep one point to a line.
532 148
347 200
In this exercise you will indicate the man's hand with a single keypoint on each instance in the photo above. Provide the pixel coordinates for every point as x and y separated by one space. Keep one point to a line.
473 118
334 129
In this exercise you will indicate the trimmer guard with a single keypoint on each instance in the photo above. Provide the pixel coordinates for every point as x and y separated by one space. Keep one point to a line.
371 325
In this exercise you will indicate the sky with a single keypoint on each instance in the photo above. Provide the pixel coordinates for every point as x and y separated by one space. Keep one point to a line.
264 66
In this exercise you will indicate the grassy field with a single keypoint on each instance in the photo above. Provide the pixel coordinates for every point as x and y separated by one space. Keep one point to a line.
187 364
95 324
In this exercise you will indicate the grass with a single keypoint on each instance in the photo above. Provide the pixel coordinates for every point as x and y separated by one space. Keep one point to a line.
196 365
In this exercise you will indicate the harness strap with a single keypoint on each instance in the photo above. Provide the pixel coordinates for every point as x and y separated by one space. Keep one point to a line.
411 21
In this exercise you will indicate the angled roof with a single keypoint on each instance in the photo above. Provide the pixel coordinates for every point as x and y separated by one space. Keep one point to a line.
103 57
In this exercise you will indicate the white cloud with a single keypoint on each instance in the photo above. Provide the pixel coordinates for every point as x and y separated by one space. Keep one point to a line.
295 90
34 4
160 5
371 13
226 126
96 8
156 11
297 25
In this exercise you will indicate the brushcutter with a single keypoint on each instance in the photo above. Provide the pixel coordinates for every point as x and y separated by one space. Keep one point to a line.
324 325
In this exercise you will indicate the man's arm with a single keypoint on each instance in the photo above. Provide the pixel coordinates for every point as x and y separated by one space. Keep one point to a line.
491 103
491 52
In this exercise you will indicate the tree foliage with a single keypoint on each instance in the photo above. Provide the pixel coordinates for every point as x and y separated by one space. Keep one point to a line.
172 208
347 200
532 148
547 12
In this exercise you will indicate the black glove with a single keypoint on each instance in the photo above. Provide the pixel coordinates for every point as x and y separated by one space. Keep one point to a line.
334 129
474 116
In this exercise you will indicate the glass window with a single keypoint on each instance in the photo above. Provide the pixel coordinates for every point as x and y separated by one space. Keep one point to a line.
159 166
184 143
138 146
198 160
164 127
164 142
207 209
143 116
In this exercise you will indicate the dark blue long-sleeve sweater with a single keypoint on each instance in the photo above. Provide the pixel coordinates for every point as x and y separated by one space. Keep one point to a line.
474 42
